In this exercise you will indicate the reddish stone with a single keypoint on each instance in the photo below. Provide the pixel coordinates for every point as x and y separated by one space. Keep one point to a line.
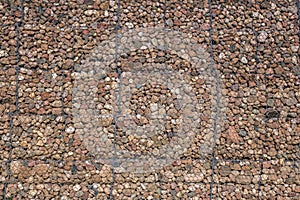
233 135
85 32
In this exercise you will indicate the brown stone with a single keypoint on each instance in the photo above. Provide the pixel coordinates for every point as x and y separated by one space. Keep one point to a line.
233 135
2 108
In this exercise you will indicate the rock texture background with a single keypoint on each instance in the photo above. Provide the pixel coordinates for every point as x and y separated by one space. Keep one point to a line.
253 44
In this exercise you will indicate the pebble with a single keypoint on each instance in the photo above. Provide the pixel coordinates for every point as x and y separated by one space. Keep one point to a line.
70 130
76 188
262 36
243 133
244 60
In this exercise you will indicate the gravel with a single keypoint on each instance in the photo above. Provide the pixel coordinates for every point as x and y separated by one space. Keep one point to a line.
7 89
40 91
5 136
234 50
47 152
8 54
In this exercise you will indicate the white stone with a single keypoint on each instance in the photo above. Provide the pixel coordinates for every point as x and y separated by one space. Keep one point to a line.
77 187
244 60
108 107
262 36
129 25
143 186
2 53
21 77
192 188
70 130
294 60
20 186
111 2
106 13
54 75
90 12
32 192
222 55
294 48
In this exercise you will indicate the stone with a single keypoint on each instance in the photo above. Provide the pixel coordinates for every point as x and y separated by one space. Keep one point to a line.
76 187
262 36
2 108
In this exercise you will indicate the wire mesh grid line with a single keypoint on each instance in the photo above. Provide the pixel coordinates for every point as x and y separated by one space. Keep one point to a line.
298 8
12 114
8 167
118 71
17 69
96 162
